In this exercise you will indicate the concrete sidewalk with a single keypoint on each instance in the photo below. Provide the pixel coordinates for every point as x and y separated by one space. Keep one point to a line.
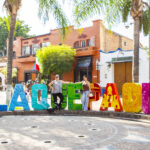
106 114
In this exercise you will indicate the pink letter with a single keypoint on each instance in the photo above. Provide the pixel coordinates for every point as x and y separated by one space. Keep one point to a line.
146 98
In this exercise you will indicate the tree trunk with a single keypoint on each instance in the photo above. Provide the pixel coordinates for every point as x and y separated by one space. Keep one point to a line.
9 57
135 65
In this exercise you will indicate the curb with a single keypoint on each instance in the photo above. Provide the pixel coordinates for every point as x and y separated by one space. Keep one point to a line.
106 114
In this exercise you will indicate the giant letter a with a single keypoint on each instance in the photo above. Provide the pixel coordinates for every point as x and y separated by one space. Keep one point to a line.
14 103
111 98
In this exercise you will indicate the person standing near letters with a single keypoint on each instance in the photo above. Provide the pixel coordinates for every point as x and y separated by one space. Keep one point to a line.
56 86
86 93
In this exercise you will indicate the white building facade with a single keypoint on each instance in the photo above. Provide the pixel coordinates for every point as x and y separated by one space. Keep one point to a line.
116 67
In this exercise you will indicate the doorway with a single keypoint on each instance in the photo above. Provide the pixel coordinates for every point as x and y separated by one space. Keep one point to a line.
88 73
27 76
122 74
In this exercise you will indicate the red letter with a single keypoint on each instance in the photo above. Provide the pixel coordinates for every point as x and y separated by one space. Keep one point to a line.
96 91
111 98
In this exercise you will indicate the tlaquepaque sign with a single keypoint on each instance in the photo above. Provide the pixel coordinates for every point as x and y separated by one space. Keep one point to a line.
135 97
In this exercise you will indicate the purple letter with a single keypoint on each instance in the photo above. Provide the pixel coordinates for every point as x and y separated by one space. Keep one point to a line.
146 98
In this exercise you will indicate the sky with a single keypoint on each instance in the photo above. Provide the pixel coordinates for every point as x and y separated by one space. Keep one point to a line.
29 14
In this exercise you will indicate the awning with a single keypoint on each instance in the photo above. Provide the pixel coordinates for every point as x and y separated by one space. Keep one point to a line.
84 62
121 59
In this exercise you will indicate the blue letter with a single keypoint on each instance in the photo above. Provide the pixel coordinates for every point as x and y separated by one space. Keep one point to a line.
34 95
3 107
14 103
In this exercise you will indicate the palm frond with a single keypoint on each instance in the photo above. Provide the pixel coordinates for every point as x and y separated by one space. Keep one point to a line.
145 20
48 7
111 9
83 9
126 10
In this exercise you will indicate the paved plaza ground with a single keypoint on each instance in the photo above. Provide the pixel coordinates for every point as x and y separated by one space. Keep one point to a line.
72 133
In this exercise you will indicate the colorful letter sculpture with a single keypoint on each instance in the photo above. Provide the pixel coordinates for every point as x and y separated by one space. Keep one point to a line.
132 97
111 98
19 91
3 107
34 95
64 92
146 98
73 95
96 91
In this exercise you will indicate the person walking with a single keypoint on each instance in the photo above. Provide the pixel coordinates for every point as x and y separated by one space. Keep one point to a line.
56 87
86 93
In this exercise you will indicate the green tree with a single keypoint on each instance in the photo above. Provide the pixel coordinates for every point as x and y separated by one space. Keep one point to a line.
56 59
4 71
20 30
114 11
3 36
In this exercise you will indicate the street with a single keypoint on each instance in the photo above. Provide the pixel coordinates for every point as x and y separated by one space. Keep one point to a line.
72 133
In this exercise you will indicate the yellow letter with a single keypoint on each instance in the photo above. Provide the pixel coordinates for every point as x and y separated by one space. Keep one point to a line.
132 97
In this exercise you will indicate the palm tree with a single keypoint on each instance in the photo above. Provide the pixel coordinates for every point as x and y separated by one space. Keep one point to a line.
12 7
113 9
46 7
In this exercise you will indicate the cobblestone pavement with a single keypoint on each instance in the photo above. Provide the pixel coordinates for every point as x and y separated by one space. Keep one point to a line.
72 133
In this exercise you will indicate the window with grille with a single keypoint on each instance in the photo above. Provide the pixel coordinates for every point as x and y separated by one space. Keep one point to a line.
76 44
45 44
88 42
35 47
125 43
25 50
83 43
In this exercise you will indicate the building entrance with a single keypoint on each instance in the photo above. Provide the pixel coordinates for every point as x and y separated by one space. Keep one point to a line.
84 67
88 73
122 74
27 76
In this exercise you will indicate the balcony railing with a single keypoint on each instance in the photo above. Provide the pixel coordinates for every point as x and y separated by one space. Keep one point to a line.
85 48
